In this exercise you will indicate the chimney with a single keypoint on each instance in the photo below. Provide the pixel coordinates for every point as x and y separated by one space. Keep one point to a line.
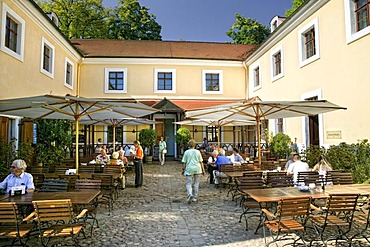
275 22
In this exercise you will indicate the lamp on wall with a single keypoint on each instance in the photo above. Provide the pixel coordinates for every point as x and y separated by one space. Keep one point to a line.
133 131
195 130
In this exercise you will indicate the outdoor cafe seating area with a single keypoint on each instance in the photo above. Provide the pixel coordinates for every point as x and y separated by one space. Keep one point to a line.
62 205
317 210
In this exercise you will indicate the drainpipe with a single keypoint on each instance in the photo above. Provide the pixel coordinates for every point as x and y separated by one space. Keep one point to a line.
78 78
246 81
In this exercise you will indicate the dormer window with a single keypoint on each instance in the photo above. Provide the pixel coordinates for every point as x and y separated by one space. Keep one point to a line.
275 22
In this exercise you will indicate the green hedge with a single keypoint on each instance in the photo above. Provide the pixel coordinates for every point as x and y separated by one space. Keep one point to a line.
353 158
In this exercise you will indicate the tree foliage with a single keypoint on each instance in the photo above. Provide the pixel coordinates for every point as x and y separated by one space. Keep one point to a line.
54 138
88 19
182 136
295 5
280 145
131 21
247 31
353 158
79 18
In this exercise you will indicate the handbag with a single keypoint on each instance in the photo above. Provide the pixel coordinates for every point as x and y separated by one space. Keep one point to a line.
164 151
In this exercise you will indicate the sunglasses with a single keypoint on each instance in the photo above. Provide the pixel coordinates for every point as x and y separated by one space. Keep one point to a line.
13 167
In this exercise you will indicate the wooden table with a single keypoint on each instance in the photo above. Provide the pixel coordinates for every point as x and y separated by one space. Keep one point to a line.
275 194
77 197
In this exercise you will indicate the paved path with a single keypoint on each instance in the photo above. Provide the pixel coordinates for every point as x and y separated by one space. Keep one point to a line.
157 214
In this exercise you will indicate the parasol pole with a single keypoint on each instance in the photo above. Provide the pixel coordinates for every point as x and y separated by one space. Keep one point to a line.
76 141
114 138
219 137
258 120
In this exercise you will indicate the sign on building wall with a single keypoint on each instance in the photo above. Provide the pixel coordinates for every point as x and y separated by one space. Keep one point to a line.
334 134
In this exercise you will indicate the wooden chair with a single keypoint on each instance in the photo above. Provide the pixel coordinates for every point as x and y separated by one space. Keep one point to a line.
361 222
118 172
55 218
310 177
272 175
107 188
91 185
38 180
54 185
71 180
251 208
10 224
221 179
341 178
86 169
338 215
285 180
291 217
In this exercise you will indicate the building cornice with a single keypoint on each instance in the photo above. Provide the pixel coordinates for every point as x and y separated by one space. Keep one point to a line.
162 61
289 25
40 19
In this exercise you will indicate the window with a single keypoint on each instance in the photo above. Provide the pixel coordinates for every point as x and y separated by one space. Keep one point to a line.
212 82
255 77
277 69
308 38
165 81
280 125
68 81
357 16
115 80
47 58
12 34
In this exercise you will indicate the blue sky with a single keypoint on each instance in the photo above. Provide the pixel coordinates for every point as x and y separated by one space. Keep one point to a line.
207 20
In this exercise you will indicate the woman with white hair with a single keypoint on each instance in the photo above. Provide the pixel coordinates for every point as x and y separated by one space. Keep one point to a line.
211 165
192 169
18 177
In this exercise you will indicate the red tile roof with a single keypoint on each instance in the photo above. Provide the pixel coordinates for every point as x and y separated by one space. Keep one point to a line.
192 104
162 49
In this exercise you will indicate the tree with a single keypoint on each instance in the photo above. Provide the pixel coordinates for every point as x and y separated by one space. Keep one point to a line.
131 21
79 18
54 138
247 31
296 4
280 145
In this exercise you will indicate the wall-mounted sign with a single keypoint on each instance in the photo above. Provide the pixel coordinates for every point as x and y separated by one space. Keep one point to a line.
334 134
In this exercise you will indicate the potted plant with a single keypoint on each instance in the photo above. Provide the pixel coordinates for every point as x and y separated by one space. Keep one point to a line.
280 145
182 138
147 138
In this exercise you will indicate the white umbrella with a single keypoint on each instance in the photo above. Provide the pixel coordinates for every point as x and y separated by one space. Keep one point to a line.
216 123
74 108
119 122
256 110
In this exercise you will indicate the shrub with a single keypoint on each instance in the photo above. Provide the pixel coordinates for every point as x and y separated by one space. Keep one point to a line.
183 136
353 158
280 145
147 138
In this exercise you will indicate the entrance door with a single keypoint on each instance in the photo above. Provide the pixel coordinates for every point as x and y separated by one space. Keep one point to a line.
313 128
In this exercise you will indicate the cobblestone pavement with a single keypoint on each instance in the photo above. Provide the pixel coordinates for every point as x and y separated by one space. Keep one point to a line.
157 214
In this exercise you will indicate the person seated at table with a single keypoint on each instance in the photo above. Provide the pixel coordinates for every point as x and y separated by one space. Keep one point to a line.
115 159
221 159
291 161
297 166
235 157
102 158
122 156
18 177
211 166
322 166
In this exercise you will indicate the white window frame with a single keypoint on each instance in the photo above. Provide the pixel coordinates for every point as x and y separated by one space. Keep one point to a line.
276 127
67 61
252 76
45 42
156 71
19 54
272 56
106 76
221 81
301 40
350 23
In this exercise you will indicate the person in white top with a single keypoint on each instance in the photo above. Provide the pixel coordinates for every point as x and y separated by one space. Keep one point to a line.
297 166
